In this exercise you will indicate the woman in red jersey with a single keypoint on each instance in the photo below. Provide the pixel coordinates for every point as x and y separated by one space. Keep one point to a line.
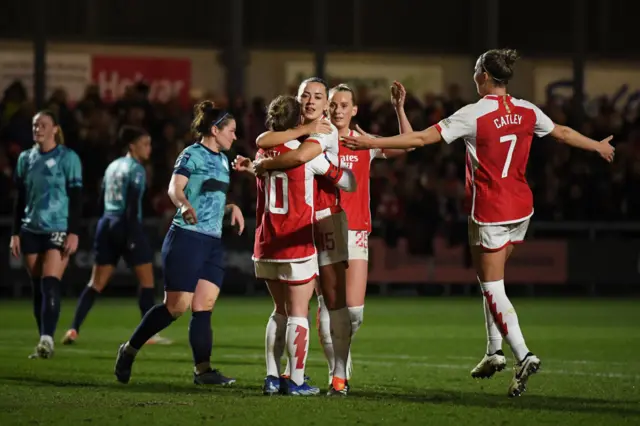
343 107
330 225
285 255
497 131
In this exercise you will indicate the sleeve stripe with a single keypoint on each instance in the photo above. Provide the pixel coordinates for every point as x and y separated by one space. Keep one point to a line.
438 128
182 171
312 140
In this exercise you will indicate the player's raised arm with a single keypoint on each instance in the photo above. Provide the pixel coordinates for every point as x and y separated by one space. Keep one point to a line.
270 138
182 172
243 164
342 178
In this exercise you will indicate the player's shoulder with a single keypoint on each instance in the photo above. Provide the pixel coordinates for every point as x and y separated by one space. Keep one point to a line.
523 103
26 153
289 146
68 154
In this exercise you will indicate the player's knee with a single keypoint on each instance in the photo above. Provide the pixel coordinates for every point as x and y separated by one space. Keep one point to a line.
97 286
356 314
177 305
203 303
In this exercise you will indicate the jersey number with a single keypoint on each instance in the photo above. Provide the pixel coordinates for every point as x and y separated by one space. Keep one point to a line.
512 139
57 238
277 185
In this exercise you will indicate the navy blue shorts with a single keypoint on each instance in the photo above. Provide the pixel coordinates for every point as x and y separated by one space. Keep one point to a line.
189 256
113 240
36 243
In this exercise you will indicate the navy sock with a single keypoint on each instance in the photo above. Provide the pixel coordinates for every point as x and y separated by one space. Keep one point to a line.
50 305
201 336
85 303
155 320
146 300
37 301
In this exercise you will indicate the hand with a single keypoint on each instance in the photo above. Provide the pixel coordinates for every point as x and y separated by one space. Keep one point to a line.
319 126
356 143
258 166
188 214
70 245
15 246
242 164
237 218
398 95
605 150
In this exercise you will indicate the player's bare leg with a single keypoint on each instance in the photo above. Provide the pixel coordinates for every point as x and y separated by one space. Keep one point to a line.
275 338
357 275
490 267
100 276
297 337
146 297
334 282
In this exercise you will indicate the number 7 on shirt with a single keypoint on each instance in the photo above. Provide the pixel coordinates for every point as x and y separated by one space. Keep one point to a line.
512 139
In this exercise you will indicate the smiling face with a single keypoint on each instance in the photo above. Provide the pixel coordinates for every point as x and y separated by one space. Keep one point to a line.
313 99
342 108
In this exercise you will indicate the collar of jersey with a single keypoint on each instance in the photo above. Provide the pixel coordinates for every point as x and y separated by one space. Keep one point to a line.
496 96
48 152
210 151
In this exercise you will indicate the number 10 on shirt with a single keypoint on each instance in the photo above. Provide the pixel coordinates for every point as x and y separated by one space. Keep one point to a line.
277 193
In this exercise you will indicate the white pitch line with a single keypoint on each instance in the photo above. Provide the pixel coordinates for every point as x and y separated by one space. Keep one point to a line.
366 360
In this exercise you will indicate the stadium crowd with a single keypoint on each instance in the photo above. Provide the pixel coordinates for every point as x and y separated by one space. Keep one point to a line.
421 191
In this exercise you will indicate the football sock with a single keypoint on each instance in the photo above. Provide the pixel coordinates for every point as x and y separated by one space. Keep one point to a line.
85 303
505 317
297 341
275 342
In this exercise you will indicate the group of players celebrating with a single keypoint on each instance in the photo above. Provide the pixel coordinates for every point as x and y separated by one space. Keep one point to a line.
312 222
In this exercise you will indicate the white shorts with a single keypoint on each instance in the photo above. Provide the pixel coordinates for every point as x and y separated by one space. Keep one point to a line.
496 237
287 272
331 238
359 245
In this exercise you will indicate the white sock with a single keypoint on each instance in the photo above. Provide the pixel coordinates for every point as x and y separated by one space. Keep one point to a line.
275 342
505 317
47 339
324 334
356 313
341 337
494 338
298 347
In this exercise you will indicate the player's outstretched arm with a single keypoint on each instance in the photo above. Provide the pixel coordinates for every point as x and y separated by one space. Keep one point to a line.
270 139
575 139
398 97
404 141
342 178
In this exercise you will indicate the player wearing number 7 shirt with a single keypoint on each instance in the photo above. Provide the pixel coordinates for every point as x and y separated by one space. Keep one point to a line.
331 221
343 107
284 251
497 131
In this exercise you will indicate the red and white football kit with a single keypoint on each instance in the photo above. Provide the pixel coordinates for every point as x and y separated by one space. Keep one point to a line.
284 246
331 220
497 131
357 204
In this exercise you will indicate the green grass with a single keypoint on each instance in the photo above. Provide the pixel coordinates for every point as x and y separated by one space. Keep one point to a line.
412 360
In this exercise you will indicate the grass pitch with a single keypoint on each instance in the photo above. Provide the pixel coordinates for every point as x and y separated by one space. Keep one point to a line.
412 360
